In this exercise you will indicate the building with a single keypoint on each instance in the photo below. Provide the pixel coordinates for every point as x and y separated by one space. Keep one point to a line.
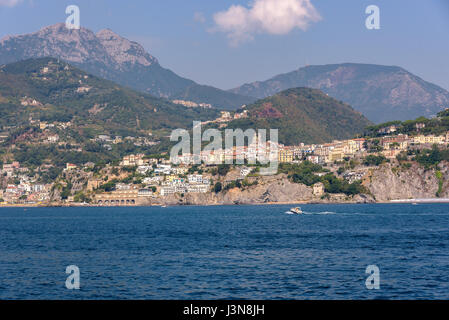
70 166
430 139
152 180
43 125
117 198
285 156
133 160
336 154
94 184
195 178
53 139
145 193
354 176
388 129
318 189
395 142
167 190
180 170
198 188
317 159
144 169
164 169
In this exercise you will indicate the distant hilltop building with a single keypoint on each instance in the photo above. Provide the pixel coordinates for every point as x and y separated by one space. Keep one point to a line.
388 129
25 101
191 104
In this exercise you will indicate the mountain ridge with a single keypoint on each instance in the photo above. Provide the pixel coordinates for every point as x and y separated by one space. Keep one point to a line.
51 89
108 55
382 93
303 115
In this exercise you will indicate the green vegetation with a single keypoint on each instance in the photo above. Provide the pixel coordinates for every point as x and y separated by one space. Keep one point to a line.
373 160
218 187
66 94
305 173
431 158
437 126
302 173
233 184
223 169
109 186
334 185
66 191
303 115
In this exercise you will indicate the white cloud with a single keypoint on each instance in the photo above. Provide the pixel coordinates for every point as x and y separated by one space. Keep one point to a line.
9 3
276 17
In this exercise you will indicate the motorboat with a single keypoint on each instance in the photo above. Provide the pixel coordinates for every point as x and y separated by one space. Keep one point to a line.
296 210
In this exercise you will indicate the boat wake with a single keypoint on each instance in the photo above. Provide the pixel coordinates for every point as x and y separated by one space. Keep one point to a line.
324 212
312 213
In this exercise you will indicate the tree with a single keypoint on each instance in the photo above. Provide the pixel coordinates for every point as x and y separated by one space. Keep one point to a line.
223 169
218 187
374 160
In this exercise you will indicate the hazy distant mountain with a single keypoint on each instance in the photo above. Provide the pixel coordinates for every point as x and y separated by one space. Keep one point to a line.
381 93
304 115
115 58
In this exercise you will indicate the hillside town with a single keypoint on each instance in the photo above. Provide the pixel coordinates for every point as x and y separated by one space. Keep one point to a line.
140 179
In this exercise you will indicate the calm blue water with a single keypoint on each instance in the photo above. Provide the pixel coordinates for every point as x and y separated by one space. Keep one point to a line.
228 252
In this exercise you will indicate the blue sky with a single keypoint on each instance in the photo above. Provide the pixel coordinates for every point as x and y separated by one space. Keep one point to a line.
184 35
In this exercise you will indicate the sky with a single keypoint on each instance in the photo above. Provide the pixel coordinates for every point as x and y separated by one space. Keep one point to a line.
226 43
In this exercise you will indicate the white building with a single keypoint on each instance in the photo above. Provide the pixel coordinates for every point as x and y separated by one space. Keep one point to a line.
195 178
144 169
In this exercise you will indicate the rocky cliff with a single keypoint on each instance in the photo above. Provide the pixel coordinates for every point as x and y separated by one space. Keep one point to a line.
384 183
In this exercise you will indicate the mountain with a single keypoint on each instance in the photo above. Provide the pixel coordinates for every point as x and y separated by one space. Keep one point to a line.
110 56
48 89
381 93
303 115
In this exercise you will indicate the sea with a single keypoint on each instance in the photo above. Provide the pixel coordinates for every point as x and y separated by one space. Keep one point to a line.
345 251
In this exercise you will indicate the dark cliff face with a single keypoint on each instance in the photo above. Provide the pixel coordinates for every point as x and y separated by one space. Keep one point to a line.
381 93
112 57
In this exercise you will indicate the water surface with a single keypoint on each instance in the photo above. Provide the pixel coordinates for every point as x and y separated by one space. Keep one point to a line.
226 252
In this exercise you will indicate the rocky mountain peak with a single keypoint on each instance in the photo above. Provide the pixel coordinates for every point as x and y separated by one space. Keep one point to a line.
77 46
123 50
113 57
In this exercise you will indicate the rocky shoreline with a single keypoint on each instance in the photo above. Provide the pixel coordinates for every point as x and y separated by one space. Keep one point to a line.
387 183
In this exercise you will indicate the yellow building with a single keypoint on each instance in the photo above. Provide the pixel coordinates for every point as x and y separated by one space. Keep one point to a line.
285 156
429 139
43 125
337 154
171 177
